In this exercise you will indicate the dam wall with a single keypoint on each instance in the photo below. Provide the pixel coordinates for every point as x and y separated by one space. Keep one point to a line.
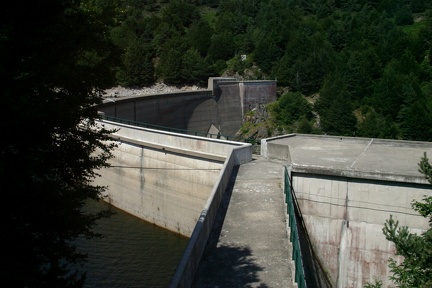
191 110
346 189
165 178
345 216
217 110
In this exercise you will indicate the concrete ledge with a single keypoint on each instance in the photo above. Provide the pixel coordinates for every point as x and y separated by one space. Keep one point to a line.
171 149
195 144
358 174
365 158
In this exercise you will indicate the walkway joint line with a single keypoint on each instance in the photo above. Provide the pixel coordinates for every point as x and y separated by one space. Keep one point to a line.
367 147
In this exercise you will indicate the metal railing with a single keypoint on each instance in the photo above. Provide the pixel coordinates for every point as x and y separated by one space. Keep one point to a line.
294 234
177 130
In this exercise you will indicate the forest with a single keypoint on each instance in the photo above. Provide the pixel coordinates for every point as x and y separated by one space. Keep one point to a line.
343 67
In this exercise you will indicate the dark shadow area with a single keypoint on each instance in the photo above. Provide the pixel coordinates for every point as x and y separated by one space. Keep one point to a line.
226 265
314 272
221 213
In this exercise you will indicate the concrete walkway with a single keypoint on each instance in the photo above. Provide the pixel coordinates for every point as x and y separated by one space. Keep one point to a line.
249 246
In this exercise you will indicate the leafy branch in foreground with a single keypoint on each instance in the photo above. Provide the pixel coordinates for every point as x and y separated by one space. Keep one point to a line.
416 267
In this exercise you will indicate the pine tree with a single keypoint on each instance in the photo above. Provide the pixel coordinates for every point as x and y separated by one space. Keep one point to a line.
416 268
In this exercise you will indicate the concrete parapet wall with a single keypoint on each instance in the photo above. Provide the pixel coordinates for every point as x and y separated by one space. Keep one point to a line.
165 178
270 150
187 143
189 263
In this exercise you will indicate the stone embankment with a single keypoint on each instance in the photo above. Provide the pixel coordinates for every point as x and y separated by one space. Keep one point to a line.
158 88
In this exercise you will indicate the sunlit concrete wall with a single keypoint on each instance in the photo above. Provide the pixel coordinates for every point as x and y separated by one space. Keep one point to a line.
344 218
165 178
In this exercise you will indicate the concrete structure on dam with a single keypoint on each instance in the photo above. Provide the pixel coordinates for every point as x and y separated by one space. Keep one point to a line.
346 188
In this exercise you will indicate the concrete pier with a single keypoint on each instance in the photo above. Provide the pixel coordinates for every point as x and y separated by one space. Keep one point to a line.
249 245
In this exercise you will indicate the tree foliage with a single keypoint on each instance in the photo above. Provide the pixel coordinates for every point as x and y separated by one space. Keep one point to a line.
53 66
291 107
380 50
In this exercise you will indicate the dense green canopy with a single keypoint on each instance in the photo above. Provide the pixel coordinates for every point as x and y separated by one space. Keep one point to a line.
378 52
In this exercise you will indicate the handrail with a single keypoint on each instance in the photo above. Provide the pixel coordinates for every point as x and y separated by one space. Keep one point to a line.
294 234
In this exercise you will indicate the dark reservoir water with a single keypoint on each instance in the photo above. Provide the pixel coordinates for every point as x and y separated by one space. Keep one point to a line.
133 253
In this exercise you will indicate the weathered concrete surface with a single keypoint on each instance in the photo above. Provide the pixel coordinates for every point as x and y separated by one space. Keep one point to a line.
351 157
346 189
249 246
344 218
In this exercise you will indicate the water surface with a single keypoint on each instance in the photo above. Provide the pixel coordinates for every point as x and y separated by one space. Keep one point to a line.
133 253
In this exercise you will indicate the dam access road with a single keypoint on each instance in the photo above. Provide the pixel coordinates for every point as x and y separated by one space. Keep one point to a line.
249 245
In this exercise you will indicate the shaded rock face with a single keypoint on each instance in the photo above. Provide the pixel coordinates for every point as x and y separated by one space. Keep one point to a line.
258 125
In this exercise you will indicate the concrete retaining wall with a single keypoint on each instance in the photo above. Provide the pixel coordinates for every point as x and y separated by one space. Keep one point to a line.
344 218
227 97
254 93
165 178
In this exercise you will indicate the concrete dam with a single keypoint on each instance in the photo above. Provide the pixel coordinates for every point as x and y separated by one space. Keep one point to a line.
344 187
